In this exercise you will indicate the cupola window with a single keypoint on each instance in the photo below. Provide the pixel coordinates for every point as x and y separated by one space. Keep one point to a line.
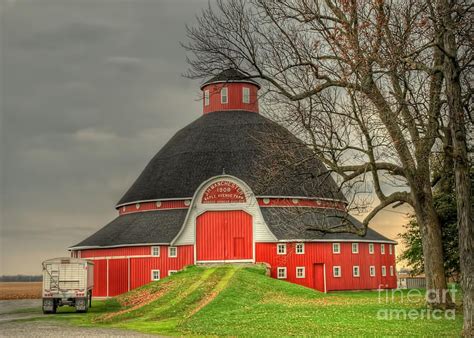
224 96
246 95
206 97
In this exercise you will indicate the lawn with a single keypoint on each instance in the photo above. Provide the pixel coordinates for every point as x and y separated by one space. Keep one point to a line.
231 301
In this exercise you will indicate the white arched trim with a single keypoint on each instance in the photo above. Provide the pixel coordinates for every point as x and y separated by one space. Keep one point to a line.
187 233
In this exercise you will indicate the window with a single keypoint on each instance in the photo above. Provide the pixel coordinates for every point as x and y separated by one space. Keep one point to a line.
371 248
390 249
355 271
300 272
391 270
281 273
172 272
155 251
172 251
206 97
281 249
372 271
355 247
382 249
245 95
384 271
155 275
336 271
224 97
336 248
300 248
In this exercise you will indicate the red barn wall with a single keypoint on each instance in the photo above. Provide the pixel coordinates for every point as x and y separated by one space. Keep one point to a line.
234 93
322 253
118 270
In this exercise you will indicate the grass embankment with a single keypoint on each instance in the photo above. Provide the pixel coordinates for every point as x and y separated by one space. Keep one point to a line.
243 301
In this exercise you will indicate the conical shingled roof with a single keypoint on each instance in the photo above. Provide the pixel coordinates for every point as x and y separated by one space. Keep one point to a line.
270 159
230 75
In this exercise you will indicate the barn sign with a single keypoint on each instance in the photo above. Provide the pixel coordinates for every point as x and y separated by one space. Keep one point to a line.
223 192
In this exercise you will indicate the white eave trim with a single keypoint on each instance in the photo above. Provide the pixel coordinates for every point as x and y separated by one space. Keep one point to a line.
72 248
305 198
231 81
388 241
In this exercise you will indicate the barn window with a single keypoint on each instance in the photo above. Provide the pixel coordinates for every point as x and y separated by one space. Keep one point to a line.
300 272
300 248
355 247
172 272
384 271
172 251
281 273
224 96
382 249
390 249
155 251
391 270
336 271
155 275
281 249
336 248
206 97
371 248
355 271
372 271
246 95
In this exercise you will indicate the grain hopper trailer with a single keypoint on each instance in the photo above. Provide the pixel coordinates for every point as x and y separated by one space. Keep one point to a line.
67 281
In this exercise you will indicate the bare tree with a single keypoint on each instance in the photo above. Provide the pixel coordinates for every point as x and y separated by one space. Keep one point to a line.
362 83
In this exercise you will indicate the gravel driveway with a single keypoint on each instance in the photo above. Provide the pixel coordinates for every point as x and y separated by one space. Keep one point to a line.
13 310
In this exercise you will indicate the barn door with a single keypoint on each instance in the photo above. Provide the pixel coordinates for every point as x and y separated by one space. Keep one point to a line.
224 236
319 280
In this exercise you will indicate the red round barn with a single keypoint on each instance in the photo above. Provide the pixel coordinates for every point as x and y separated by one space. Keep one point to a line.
236 187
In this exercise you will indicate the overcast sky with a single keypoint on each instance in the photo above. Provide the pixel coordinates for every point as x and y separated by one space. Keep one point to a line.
90 91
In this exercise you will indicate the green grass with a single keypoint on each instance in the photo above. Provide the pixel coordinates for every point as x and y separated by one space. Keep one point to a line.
232 301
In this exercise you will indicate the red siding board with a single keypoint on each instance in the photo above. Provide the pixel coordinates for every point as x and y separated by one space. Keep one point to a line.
234 93
224 235
322 253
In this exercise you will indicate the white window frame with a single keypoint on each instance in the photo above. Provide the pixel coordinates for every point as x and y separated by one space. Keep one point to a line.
153 279
354 268
283 269
338 275
390 249
356 245
384 271
391 270
169 251
245 95
206 97
371 248
224 95
334 246
382 249
299 248
172 272
281 245
372 271
303 272
153 251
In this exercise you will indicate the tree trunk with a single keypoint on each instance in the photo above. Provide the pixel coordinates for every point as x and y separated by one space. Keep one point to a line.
452 73
427 219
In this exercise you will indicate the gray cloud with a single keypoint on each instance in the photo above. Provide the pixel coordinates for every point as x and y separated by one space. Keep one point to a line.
91 90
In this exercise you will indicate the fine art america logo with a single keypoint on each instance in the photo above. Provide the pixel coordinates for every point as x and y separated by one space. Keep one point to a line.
413 301
223 192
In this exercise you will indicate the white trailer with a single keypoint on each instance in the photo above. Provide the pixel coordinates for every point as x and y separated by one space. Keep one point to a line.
67 281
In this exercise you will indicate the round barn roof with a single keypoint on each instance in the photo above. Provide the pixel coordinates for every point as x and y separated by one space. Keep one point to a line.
270 159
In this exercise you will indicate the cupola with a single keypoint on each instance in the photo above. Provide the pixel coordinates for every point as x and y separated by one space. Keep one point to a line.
230 90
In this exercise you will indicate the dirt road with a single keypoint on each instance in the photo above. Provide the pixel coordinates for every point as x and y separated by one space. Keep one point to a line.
12 324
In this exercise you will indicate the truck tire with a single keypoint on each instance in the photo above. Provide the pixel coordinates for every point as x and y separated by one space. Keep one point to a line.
51 308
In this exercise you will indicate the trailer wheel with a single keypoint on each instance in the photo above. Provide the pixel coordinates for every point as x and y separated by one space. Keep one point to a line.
82 305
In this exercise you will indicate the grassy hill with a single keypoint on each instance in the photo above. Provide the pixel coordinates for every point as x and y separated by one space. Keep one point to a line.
231 300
